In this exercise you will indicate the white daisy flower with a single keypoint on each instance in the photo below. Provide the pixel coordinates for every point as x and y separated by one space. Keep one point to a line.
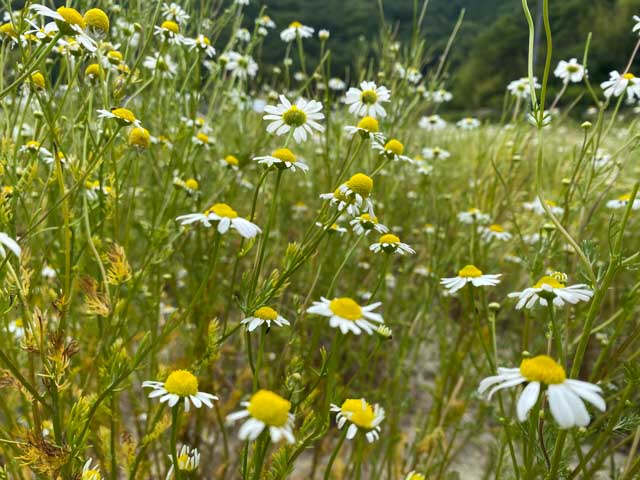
536 207
570 71
413 475
241 66
68 21
366 223
521 88
618 84
162 64
552 288
435 153
10 243
468 123
367 128
264 315
336 84
188 460
565 396
90 472
393 150
173 11
347 315
283 158
266 410
226 217
16 328
122 115
301 116
169 31
333 228
365 101
474 215
361 415
494 231
622 201
180 384
201 139
432 123
390 243
470 274
354 195
438 96
203 44
636 27
294 30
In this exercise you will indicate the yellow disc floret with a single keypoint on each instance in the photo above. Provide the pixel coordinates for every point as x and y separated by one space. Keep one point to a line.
542 369
223 210
7 29
91 474
124 114
361 184
550 281
139 137
97 19
389 238
93 70
295 24
284 155
394 146
294 117
359 412
496 228
628 76
232 160
346 308
369 124
369 97
37 79
192 184
270 408
266 313
171 26
71 16
470 271
182 383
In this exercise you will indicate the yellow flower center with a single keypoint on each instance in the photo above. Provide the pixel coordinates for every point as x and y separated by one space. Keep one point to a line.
549 280
470 271
573 68
270 408
203 137
93 70
369 124
232 160
266 313
115 55
389 238
624 198
628 76
192 184
496 228
33 145
223 210
361 184
38 80
91 475
394 146
294 117
542 369
8 29
97 19
369 97
171 26
284 155
368 220
71 16
182 383
124 114
295 24
18 323
551 203
361 412
140 137
346 308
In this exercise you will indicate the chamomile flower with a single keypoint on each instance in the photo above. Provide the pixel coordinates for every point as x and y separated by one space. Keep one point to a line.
570 71
336 84
173 11
295 30
96 22
16 328
302 117
361 415
230 161
68 21
283 158
393 149
201 43
468 123
10 243
435 153
354 194
169 31
121 115
521 88
90 472
162 65
366 100
347 315
618 84
226 217
262 316
432 123
622 201
365 223
552 288
390 243
333 228
474 215
201 139
536 207
367 128
494 231
188 460
240 65
566 397
180 384
266 410
470 274
413 475
438 96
